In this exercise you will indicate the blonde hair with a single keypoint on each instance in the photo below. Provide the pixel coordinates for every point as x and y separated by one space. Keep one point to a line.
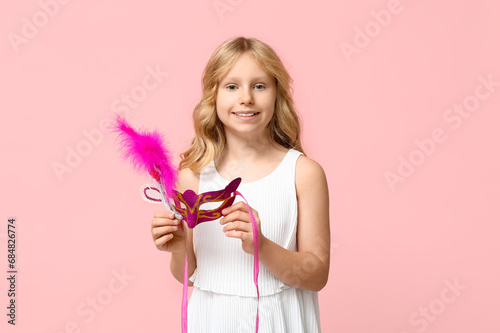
210 139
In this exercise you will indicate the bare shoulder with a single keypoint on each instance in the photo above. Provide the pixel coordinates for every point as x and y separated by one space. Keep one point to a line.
309 174
187 179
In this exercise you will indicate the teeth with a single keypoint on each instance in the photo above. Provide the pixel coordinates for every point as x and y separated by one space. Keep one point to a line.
245 114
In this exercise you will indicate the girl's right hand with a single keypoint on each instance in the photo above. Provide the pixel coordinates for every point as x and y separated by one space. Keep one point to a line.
167 231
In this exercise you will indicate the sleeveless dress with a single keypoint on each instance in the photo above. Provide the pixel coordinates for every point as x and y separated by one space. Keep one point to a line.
224 297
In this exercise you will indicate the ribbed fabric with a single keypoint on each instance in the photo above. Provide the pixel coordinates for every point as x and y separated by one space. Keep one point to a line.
224 295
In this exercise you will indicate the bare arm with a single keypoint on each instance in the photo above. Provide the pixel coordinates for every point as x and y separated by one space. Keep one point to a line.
309 267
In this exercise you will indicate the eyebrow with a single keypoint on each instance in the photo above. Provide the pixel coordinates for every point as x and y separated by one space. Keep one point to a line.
233 78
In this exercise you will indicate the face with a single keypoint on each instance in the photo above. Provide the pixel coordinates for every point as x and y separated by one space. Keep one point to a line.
246 97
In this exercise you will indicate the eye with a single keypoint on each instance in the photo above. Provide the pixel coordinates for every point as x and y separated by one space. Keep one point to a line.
230 86
260 85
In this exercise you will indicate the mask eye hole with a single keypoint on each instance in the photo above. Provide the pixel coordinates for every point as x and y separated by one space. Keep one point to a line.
210 205
150 193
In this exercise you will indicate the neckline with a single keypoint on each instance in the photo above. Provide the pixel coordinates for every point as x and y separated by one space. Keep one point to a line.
258 180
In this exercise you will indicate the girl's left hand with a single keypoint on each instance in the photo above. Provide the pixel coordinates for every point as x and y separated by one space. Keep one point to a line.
240 225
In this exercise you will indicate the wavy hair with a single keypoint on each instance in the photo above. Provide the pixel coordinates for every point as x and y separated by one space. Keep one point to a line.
209 141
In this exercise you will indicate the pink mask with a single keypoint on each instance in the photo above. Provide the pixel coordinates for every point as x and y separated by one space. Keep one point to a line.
192 214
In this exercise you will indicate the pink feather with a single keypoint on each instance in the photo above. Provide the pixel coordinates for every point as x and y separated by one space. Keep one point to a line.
147 151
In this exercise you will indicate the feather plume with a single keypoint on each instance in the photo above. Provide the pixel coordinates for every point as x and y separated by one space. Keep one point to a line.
148 152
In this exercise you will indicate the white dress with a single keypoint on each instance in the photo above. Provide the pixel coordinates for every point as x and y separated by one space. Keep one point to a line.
224 297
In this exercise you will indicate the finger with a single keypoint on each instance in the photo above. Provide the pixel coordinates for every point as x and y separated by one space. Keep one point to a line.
163 240
162 221
238 226
235 234
164 213
235 207
160 231
236 216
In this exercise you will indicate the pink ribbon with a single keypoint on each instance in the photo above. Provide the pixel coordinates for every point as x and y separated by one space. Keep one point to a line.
255 271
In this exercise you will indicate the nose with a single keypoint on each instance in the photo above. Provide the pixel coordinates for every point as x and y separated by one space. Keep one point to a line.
246 96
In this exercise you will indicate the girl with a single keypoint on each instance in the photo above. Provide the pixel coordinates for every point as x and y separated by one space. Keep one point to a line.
246 126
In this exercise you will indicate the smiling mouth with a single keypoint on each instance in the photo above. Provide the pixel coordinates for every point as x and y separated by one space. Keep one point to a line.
245 114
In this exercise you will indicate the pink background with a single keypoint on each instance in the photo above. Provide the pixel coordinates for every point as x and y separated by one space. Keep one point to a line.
397 250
